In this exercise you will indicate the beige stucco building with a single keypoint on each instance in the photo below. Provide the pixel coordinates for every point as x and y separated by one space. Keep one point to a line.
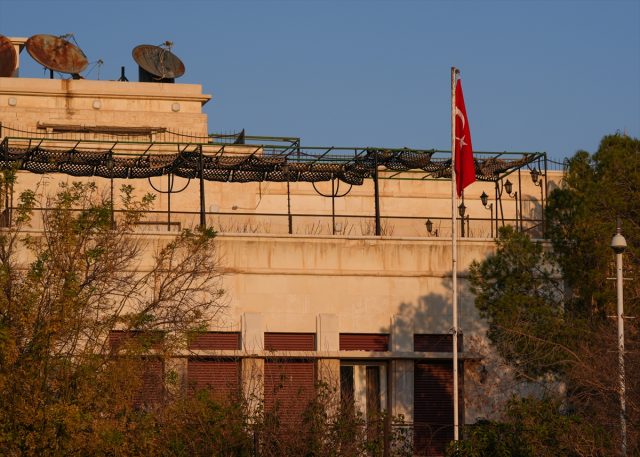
376 309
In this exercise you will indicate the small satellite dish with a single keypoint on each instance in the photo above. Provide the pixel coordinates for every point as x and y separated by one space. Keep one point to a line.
157 63
57 54
8 57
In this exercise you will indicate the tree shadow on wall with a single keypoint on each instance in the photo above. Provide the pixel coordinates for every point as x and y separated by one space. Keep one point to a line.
431 317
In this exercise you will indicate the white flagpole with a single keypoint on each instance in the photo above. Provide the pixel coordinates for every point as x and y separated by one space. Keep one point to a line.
454 253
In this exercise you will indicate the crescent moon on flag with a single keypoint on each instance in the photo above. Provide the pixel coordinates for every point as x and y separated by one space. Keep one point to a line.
459 113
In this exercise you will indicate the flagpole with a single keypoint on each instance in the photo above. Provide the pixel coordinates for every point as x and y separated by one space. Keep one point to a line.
454 253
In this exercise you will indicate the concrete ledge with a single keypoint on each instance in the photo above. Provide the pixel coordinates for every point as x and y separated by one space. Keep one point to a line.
342 355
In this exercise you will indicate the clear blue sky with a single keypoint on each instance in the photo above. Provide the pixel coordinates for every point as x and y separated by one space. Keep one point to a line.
537 76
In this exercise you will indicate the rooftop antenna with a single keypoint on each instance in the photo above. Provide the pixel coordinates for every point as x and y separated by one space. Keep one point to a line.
123 77
8 58
157 63
100 63
57 54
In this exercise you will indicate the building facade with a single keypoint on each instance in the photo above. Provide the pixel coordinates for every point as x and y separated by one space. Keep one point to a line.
308 281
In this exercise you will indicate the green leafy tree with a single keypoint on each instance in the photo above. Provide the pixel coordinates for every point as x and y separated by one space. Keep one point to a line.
599 188
533 427
548 310
519 293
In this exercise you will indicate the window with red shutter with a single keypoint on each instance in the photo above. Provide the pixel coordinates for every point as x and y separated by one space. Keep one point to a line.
290 341
435 343
220 377
433 407
288 387
375 342
215 341
151 339
152 389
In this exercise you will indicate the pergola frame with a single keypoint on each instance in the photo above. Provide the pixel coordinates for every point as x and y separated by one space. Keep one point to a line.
215 159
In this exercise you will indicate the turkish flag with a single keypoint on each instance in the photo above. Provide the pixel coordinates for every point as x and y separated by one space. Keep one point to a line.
465 165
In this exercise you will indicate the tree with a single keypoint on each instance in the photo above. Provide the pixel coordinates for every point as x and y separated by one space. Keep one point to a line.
66 386
582 219
548 311
92 317
533 427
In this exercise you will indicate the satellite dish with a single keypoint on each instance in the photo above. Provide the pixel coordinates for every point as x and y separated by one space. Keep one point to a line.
8 57
157 63
57 54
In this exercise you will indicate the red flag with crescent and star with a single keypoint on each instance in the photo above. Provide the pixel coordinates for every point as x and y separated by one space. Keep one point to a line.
465 165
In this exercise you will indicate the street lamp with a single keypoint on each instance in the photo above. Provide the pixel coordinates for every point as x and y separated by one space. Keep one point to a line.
485 199
509 187
619 244
461 211
429 226
535 177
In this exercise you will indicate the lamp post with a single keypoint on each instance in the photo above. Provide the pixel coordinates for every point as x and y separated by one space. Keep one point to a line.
485 198
509 187
538 182
429 226
461 210
618 244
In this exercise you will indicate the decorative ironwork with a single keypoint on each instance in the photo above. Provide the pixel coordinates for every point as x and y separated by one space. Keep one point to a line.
238 163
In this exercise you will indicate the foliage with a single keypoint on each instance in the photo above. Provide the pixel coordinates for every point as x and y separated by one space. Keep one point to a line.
548 309
95 322
330 426
582 220
518 292
65 386
205 425
534 428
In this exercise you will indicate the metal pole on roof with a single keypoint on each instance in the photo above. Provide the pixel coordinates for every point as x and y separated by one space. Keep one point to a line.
113 222
496 200
520 194
377 192
546 181
169 188
203 218
333 204
289 200
454 254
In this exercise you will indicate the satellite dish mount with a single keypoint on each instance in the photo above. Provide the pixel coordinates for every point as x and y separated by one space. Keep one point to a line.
157 64
57 54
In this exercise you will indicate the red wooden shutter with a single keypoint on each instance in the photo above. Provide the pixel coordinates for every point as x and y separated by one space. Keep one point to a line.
289 341
215 341
433 407
152 339
151 392
217 376
364 342
288 388
435 343
115 339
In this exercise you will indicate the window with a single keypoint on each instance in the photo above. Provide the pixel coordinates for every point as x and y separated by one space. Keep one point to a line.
365 384
289 386
215 341
289 341
364 342
219 377
435 343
